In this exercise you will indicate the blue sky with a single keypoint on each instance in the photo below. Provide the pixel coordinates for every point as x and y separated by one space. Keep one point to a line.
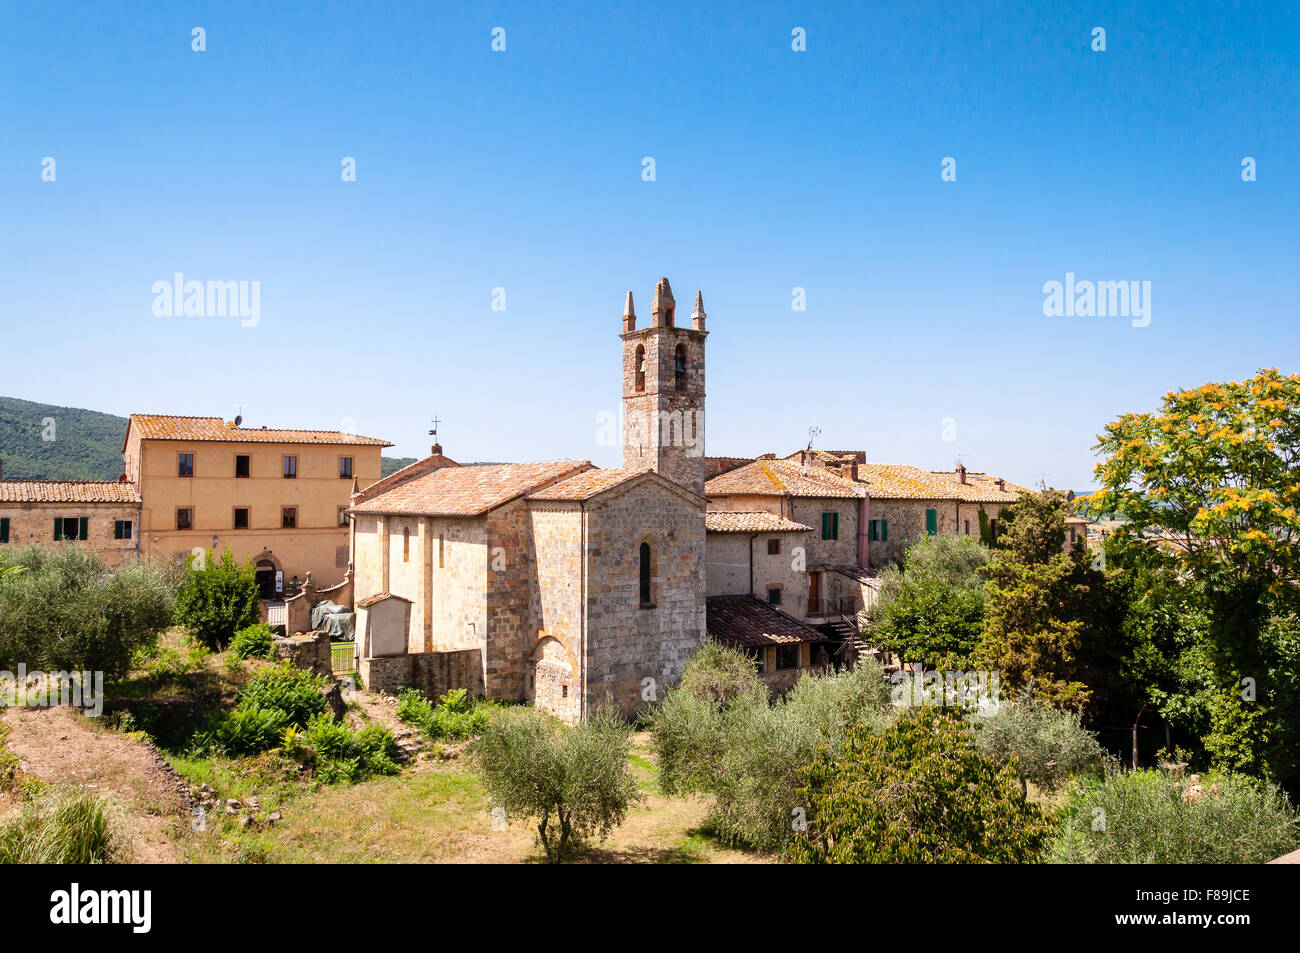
775 169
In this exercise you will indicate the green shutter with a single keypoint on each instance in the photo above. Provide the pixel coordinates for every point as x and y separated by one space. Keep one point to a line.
826 526
884 531
932 522
84 528
58 528
835 526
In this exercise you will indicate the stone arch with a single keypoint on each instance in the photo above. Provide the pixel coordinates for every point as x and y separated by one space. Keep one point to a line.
555 676
266 565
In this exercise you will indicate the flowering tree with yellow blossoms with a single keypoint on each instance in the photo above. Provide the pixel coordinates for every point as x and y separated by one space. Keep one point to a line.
1216 473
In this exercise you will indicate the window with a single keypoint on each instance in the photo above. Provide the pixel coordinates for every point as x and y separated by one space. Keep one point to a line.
4 529
185 518
345 468
830 526
122 529
343 516
643 560
291 468
787 656
774 547
756 656
884 531
993 529
185 464
873 530
774 595
640 368
241 517
70 527
288 517
406 545
441 563
242 466
966 526
931 522
679 367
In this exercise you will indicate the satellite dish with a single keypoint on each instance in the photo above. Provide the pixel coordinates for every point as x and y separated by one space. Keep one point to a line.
239 419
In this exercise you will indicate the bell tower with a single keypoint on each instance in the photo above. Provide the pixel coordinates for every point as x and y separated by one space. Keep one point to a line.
663 390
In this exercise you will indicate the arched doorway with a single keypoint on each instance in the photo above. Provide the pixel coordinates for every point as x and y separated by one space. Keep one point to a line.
266 579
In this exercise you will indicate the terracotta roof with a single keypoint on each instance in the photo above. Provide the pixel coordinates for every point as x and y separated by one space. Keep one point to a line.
587 484
165 427
713 466
745 620
369 601
751 522
468 491
891 481
781 478
66 491
863 574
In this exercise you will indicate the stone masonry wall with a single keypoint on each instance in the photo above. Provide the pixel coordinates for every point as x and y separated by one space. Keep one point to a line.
33 523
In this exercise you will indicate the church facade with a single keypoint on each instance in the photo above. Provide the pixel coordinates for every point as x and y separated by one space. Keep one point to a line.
559 583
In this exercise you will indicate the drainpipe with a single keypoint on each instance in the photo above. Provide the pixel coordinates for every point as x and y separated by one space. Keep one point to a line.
864 513
753 536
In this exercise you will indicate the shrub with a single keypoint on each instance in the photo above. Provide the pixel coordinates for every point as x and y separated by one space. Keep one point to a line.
917 792
63 825
293 691
66 611
719 674
1145 817
747 753
574 782
217 598
253 641
1041 743
339 753
455 717
249 730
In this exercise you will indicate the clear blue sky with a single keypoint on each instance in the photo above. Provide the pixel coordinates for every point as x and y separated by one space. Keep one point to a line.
775 169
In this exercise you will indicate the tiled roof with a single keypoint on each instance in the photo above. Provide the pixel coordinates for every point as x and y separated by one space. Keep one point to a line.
891 481
863 574
713 466
66 491
165 427
755 522
745 620
587 484
378 597
468 491
781 478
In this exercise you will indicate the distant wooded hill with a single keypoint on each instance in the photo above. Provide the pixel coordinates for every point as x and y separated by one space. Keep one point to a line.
85 444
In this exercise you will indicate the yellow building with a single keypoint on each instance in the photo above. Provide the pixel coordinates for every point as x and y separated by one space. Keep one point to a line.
277 497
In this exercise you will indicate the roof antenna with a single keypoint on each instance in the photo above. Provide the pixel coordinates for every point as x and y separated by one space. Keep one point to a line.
437 447
813 434
239 414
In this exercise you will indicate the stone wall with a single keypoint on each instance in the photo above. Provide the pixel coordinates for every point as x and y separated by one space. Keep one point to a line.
626 642
309 651
434 673
842 551
556 609
728 559
33 523
907 523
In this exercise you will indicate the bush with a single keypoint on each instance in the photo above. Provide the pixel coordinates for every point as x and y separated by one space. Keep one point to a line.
747 753
66 611
338 753
1042 744
293 691
253 641
217 598
455 717
574 782
1145 817
917 792
63 825
248 730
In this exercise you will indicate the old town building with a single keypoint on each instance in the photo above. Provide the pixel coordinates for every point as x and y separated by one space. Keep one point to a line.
102 517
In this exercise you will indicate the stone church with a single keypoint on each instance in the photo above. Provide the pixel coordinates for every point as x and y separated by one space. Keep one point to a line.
558 583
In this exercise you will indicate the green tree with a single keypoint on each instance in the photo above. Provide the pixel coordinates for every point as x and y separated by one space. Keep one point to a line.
1215 474
1041 602
1042 744
574 782
934 605
217 598
918 792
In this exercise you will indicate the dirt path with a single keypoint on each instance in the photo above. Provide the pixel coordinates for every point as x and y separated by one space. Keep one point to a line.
58 746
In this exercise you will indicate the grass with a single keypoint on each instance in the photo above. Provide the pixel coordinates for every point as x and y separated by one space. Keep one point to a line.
63 825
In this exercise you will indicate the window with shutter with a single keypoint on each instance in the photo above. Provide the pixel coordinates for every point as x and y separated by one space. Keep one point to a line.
884 531
931 522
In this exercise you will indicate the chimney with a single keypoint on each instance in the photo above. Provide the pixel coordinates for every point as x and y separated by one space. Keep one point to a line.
698 315
1002 485
629 315
961 474
853 471
436 449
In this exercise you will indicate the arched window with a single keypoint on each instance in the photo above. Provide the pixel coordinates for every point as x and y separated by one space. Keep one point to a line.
640 368
679 366
644 560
